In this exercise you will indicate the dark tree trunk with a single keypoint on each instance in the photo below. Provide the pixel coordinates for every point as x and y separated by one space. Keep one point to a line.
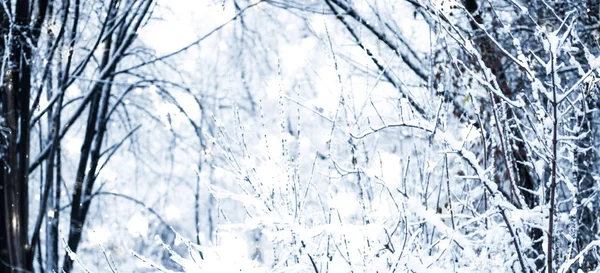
514 152
17 254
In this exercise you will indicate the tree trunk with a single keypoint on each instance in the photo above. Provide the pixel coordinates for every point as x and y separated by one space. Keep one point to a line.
16 254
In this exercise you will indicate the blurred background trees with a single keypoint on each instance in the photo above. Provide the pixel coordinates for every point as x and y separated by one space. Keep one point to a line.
320 136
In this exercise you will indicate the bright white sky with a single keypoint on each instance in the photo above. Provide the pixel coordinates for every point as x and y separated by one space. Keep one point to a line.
182 22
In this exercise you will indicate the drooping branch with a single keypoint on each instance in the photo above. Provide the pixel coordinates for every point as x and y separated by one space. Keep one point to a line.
399 86
413 63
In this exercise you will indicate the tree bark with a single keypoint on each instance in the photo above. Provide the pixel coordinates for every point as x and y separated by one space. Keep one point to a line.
14 99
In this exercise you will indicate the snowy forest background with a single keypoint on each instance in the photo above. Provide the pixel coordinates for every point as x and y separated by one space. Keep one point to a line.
299 136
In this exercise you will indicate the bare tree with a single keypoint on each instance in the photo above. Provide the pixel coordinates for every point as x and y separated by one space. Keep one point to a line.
20 35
